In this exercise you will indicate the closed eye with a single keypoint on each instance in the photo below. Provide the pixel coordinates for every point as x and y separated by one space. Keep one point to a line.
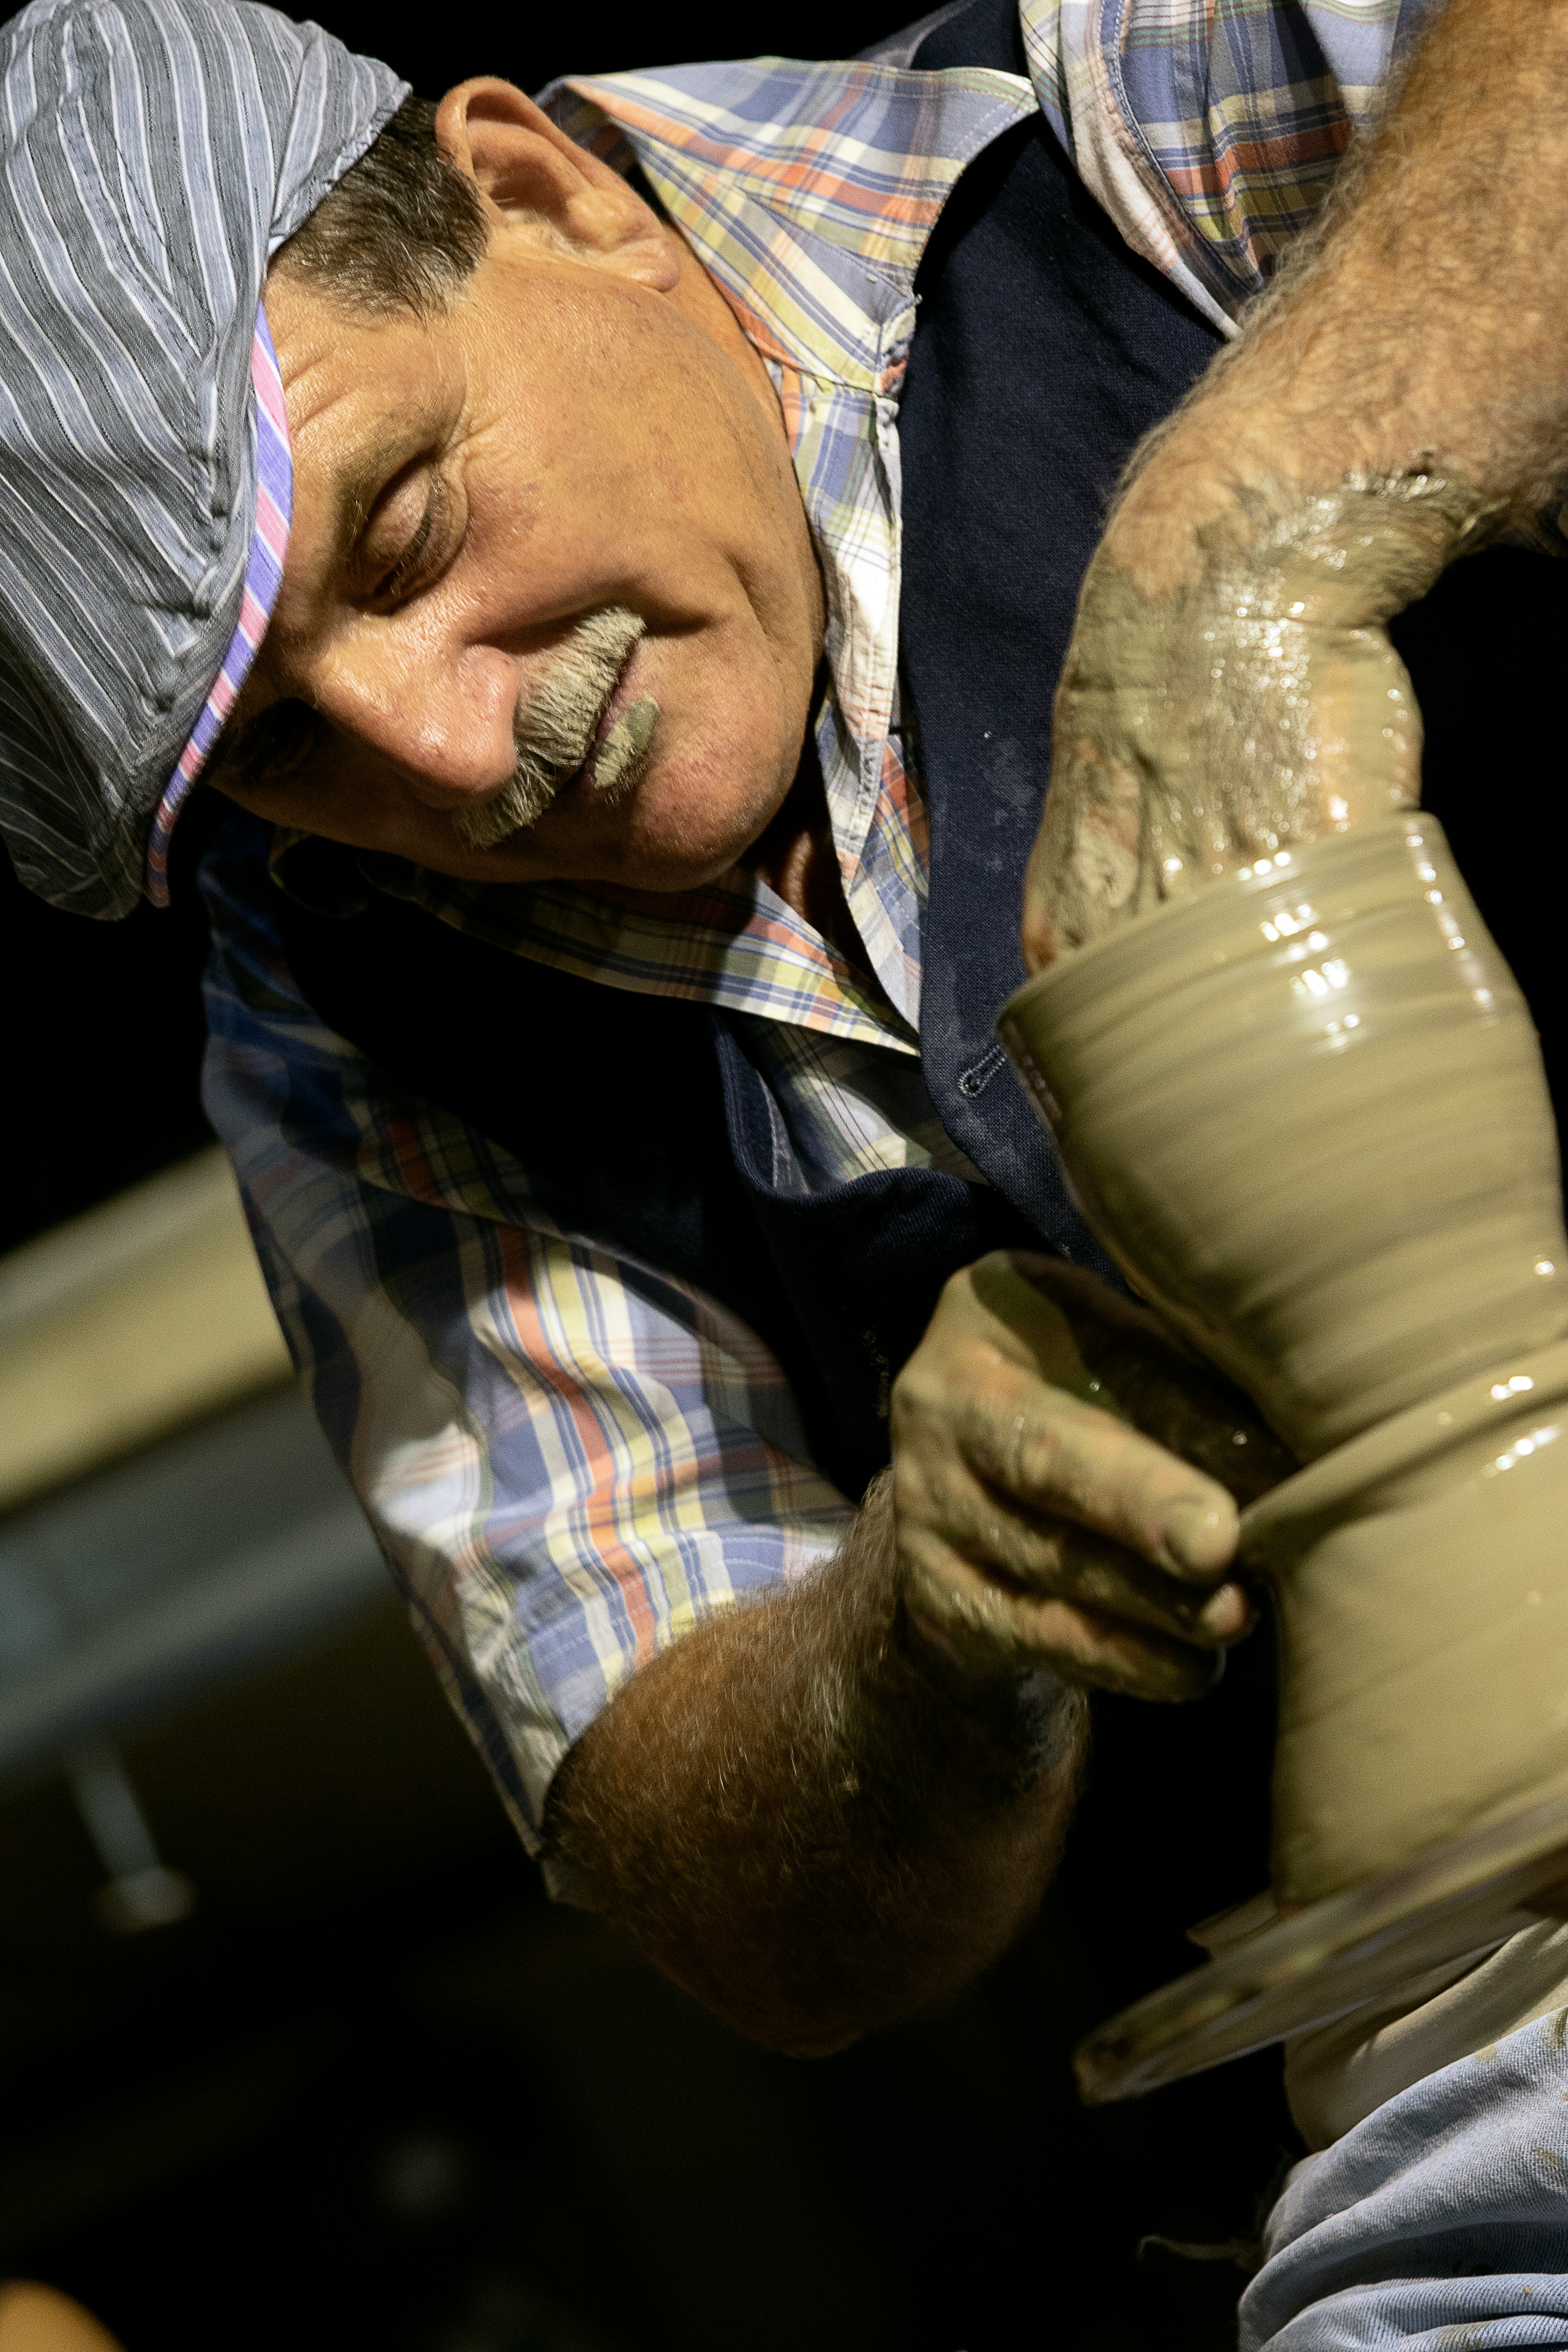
411 537
396 583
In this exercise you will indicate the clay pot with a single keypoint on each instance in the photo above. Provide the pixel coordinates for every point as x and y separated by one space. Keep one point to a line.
1304 1110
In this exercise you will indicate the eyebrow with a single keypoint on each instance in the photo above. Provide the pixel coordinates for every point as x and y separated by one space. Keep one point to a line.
357 465
351 493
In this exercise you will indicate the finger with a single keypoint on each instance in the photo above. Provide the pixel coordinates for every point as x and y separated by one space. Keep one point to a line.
985 1622
1094 1575
1051 1557
1059 1458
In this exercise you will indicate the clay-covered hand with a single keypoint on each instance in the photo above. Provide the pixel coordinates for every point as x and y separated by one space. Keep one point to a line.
1066 1478
1231 690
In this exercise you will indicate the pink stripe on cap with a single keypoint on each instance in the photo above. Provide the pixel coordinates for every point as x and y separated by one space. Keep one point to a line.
263 578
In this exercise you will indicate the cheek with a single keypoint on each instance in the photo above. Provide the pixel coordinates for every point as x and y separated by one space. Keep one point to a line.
616 432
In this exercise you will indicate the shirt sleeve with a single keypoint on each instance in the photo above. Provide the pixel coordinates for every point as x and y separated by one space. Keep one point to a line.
568 1457
1211 135
1438 2222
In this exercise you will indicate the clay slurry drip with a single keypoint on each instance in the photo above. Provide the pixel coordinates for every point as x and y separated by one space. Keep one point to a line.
1303 1108
1240 697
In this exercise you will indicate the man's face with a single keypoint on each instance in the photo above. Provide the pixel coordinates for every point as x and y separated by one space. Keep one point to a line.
571 494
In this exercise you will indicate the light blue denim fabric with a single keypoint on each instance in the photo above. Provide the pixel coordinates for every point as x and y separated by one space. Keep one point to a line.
1438 2224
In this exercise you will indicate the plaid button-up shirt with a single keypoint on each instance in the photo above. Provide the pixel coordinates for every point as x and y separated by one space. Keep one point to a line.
568 1456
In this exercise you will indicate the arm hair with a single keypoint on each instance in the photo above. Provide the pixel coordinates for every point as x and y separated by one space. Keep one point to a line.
1416 320
810 1822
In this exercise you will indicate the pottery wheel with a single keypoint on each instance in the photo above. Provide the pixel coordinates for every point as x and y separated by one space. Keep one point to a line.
1274 1973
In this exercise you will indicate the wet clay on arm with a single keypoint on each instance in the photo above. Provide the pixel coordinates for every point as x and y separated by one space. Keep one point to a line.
1398 398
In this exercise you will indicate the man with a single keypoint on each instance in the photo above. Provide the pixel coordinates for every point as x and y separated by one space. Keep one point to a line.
615 1099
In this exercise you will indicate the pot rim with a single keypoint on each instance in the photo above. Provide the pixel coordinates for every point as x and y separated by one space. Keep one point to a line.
1197 904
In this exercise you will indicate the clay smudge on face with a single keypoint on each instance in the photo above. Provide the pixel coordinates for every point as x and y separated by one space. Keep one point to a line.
626 744
1257 706
554 732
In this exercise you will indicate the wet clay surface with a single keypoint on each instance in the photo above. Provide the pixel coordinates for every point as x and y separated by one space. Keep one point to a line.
1254 706
1305 1110
1423 1618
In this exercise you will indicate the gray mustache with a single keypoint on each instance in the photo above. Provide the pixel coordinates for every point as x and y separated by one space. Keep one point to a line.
556 729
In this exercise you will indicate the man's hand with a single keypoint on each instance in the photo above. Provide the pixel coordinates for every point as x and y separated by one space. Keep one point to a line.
831 1808
1066 1477
1400 397
1255 701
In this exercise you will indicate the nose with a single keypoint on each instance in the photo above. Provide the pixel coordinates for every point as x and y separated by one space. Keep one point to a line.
443 720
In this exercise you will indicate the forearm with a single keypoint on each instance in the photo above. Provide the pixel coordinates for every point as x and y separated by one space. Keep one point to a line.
804 1823
1420 320
1401 396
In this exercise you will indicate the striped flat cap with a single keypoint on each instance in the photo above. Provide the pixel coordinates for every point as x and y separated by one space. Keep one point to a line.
154 155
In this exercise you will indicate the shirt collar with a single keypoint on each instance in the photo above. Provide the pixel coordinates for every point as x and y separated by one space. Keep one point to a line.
808 190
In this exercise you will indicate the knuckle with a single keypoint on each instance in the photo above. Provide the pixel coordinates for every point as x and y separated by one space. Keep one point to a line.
970 1612
910 1499
955 1296
926 1587
1036 1452
996 1261
915 1390
1039 1558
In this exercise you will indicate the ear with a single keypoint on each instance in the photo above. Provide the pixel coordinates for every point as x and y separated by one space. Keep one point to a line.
541 187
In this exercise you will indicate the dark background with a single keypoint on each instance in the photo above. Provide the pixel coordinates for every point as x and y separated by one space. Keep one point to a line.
376 2089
